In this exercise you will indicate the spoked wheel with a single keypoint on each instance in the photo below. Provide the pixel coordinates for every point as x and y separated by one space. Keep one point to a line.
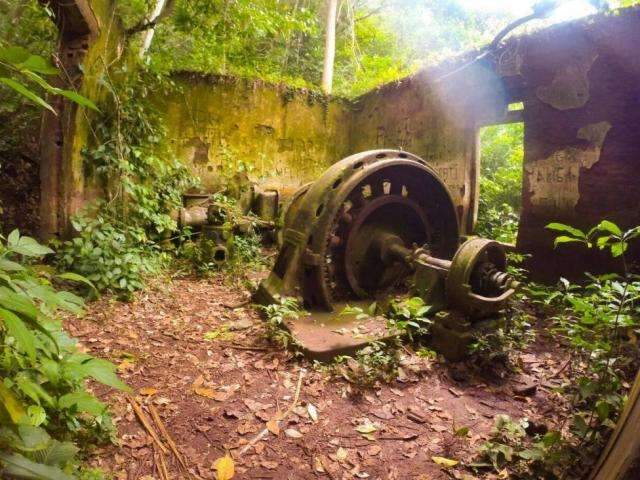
344 214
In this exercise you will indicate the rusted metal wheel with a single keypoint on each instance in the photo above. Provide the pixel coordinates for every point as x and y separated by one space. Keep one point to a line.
477 283
330 238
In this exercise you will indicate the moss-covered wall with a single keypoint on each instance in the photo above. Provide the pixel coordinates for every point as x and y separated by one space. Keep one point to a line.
427 115
90 40
281 137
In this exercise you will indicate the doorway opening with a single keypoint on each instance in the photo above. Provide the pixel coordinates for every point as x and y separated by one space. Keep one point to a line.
501 170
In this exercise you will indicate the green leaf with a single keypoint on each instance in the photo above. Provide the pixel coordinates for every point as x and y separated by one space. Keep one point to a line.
32 438
9 266
18 330
37 415
77 98
610 227
13 238
83 401
617 249
58 454
24 91
565 239
10 406
15 465
30 247
561 227
100 370
36 63
17 303
14 54
74 277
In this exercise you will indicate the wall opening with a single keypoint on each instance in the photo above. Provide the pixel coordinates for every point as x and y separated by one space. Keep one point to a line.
501 171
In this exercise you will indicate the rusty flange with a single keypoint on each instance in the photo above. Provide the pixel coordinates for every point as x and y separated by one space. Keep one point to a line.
477 283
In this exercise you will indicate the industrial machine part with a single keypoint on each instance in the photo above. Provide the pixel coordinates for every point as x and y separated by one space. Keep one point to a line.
364 229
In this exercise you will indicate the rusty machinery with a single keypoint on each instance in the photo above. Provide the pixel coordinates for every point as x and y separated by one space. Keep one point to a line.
369 223
219 222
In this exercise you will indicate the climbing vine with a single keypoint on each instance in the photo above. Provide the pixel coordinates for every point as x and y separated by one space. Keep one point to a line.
118 237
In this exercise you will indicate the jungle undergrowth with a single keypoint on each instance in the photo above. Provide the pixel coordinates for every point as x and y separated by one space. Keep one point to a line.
118 240
599 322
46 410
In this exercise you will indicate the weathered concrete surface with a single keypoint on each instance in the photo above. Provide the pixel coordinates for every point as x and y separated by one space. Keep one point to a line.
89 40
581 88
281 137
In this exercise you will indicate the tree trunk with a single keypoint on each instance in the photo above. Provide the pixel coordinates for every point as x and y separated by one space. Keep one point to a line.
329 46
148 34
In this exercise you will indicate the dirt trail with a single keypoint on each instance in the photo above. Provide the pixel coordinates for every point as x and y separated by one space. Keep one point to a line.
204 365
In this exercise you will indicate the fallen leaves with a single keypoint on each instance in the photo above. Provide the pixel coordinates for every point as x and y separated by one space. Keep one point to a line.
292 433
225 467
147 391
367 429
313 412
445 462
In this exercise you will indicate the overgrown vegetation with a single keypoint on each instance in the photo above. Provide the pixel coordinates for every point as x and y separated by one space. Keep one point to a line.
44 404
501 169
598 322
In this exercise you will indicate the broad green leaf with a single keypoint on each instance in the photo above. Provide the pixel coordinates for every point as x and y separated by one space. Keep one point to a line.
38 64
77 98
83 401
561 227
617 249
57 454
74 277
14 54
9 266
32 438
33 389
17 303
610 227
18 330
10 406
15 465
531 454
37 415
30 247
100 370
24 91
13 238
565 239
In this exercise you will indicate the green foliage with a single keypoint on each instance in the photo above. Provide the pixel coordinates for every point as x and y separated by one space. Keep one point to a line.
143 185
599 321
377 41
527 454
143 181
42 373
496 346
378 361
500 181
410 318
114 259
276 314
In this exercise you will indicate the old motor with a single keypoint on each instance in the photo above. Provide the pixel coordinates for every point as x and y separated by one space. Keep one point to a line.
371 222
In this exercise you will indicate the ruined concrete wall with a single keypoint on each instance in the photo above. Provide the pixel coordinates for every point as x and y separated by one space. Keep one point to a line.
434 114
582 148
282 137
90 40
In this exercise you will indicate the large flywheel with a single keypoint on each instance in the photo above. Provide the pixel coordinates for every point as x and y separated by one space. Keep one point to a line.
332 247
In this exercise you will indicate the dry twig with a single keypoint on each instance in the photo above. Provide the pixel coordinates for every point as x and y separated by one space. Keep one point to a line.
146 424
265 431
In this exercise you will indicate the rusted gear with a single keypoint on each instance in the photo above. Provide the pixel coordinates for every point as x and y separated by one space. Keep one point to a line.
326 251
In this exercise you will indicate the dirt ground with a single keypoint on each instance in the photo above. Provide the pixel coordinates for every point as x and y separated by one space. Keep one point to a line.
195 351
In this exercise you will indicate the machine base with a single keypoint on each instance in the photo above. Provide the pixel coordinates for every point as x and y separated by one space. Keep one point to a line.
325 335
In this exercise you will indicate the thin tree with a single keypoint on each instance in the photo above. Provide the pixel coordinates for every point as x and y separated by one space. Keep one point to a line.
329 46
